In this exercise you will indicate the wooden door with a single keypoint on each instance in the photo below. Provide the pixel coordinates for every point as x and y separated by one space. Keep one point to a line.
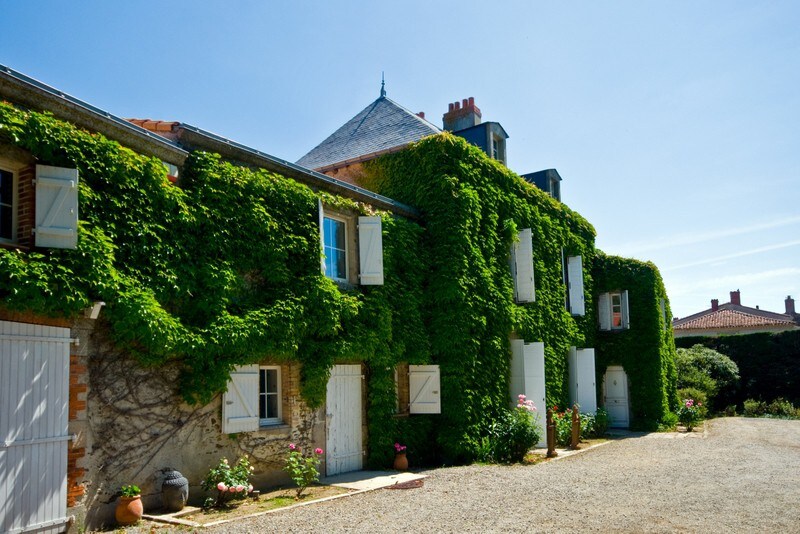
343 420
615 385
34 400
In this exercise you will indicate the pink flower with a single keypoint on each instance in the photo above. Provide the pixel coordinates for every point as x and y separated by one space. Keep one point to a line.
699 403
250 488
239 488
318 451
232 489
521 397
292 447
222 487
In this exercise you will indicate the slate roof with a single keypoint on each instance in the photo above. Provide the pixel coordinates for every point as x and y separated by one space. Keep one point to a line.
732 316
382 126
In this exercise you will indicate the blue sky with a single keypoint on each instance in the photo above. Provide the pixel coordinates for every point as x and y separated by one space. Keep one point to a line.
674 125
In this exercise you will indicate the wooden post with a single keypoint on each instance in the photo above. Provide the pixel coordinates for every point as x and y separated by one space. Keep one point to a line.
576 427
551 435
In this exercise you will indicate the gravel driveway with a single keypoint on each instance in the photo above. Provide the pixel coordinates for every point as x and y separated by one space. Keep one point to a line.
740 475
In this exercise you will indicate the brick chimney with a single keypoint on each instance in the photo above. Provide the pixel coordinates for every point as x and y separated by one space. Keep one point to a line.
790 305
714 304
736 298
461 115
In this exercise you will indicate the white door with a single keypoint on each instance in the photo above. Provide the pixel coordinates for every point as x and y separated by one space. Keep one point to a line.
34 400
582 385
615 385
527 378
343 420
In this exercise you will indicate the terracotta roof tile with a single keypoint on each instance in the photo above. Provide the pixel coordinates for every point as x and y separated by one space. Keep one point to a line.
732 316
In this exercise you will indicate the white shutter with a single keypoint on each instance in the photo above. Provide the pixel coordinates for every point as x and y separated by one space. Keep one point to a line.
370 251
662 305
527 377
522 267
575 276
321 215
626 321
56 207
239 403
604 311
424 386
582 386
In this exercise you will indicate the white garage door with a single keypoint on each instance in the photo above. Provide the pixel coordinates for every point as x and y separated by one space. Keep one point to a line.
34 399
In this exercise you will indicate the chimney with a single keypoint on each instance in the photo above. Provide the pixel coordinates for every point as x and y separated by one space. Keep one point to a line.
736 298
790 305
714 304
461 115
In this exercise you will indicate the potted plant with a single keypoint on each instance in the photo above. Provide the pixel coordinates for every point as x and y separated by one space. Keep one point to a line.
400 460
129 506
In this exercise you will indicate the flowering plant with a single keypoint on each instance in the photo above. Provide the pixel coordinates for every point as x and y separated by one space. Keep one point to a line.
398 448
231 483
690 413
130 490
524 403
303 470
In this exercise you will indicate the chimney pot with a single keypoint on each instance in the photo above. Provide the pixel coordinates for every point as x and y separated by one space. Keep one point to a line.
736 298
790 305
458 105
450 107
421 114
465 102
472 101
714 304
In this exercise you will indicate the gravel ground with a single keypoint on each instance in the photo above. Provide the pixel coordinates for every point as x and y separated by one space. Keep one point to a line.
740 475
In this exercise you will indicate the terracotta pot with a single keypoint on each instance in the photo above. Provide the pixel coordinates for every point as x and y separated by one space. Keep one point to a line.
129 510
400 461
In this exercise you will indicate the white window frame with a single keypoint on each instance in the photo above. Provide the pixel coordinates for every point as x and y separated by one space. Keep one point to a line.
343 221
269 421
606 308
14 170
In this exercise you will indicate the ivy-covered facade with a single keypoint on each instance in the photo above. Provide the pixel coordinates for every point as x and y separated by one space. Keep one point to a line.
221 269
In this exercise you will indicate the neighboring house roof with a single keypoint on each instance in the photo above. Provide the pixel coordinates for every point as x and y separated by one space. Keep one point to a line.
733 318
383 126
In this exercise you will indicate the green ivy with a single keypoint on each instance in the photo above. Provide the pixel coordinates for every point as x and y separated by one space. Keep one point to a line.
472 207
646 351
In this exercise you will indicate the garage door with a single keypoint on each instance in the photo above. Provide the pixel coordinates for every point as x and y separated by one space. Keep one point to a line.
34 387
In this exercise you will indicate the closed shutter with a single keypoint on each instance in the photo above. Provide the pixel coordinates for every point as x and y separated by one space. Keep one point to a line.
56 207
604 311
370 251
424 387
239 412
522 267
575 276
626 321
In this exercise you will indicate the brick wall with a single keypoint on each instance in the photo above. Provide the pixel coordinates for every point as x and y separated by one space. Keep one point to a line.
26 202
77 412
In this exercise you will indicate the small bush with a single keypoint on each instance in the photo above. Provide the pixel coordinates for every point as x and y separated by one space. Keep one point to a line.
781 407
513 434
600 423
690 413
699 398
730 410
668 422
231 483
754 408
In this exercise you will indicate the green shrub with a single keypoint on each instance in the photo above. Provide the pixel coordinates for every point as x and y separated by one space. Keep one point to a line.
707 370
511 436
690 413
780 407
754 408
230 483
600 423
698 396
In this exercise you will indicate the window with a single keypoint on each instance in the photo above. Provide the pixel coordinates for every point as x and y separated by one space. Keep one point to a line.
334 243
8 203
269 395
613 310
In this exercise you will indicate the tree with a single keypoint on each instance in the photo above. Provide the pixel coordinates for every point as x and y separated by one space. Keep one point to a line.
709 371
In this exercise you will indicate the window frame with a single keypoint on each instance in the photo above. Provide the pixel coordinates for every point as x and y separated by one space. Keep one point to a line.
270 421
344 222
7 167
611 296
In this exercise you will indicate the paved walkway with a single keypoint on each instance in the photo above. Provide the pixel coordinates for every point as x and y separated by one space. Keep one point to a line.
741 475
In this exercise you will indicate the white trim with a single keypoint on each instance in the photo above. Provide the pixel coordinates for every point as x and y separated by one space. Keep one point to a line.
270 421
342 220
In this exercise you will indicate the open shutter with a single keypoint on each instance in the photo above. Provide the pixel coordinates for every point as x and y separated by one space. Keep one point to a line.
604 311
626 322
321 215
424 387
662 305
56 207
239 412
575 276
522 268
370 251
